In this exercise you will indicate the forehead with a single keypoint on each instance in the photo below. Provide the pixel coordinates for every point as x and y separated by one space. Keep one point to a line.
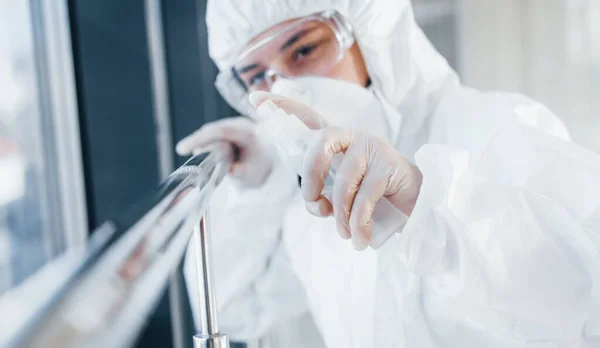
271 31
273 41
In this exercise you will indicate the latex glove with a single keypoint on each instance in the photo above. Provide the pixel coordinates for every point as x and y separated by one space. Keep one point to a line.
254 161
370 169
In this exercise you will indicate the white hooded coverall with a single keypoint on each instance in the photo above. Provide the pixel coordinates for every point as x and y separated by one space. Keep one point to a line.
502 249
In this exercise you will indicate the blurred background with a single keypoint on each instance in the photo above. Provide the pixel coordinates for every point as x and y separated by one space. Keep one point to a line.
95 93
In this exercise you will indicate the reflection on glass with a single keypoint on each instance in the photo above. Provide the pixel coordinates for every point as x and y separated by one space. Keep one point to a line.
24 243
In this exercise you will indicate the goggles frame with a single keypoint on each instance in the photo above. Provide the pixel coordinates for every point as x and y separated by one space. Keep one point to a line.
234 90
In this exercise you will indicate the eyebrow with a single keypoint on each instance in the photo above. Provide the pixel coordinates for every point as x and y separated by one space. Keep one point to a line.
293 39
247 68
287 44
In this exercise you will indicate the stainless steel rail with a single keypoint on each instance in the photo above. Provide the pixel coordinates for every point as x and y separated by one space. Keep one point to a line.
112 286
209 336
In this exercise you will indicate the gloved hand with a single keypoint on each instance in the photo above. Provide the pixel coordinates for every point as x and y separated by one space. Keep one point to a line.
254 163
369 169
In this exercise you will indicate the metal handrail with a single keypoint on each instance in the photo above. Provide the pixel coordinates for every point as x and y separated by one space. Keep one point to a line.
106 298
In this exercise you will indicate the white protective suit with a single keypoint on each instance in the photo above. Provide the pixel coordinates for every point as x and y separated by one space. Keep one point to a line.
502 249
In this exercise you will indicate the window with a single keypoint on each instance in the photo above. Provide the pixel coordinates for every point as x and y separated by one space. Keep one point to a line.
42 210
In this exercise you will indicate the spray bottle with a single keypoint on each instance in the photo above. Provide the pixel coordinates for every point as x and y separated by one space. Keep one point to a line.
292 137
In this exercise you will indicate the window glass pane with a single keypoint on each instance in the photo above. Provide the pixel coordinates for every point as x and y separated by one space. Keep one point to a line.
28 238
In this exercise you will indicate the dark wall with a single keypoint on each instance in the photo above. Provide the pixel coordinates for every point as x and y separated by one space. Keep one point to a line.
194 99
115 104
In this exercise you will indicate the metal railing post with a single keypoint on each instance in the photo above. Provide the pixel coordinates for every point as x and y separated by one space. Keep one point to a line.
209 335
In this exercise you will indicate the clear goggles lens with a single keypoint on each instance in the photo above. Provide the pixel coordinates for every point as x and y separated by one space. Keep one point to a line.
309 46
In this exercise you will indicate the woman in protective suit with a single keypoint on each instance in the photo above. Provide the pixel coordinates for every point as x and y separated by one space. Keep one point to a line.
500 246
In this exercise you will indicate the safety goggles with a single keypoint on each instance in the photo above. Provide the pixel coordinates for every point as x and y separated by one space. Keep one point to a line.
308 46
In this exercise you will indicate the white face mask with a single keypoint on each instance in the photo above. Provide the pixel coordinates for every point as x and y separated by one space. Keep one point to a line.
343 104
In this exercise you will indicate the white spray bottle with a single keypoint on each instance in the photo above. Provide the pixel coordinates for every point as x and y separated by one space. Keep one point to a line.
292 137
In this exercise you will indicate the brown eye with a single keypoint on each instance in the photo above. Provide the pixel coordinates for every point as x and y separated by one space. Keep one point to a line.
304 51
